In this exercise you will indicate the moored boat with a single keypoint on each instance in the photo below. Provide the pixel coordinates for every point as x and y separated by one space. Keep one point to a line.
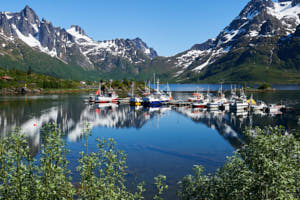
200 104
157 98
273 108
260 105
108 97
134 100
196 96
239 104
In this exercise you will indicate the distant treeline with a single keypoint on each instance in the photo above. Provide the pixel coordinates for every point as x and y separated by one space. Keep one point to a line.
15 78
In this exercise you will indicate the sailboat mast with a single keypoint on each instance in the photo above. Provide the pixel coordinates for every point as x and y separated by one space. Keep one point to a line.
132 89
100 88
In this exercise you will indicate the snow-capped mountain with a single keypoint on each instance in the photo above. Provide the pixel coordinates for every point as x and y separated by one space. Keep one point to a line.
260 21
134 51
72 45
262 39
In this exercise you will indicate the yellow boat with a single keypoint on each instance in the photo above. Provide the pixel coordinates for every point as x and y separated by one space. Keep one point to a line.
135 103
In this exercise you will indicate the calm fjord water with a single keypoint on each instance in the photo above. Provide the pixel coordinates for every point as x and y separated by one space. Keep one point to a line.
163 140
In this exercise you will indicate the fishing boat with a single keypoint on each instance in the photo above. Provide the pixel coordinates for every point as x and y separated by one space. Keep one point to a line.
153 99
200 104
167 95
108 97
222 100
196 96
157 98
203 101
239 103
273 108
260 105
134 100
213 105
251 101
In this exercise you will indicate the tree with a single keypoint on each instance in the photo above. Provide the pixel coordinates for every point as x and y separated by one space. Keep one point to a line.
266 168
29 71
102 173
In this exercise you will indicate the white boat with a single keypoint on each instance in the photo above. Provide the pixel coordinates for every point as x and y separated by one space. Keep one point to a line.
222 100
225 106
273 108
260 105
239 104
213 105
197 96
109 97
200 103
167 96
259 112
157 98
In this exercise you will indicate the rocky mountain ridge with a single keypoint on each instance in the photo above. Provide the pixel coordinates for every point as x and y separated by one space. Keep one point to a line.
72 46
262 39
258 22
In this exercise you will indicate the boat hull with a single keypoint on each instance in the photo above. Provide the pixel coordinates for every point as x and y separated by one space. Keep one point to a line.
106 100
198 106
135 103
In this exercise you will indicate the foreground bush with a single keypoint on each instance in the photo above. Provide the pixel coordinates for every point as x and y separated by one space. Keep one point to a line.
102 173
267 168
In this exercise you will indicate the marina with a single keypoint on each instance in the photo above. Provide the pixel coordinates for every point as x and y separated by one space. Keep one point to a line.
153 100
168 139
206 100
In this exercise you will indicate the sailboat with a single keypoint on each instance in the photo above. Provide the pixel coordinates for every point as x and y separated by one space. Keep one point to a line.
166 96
157 98
239 103
134 101
153 99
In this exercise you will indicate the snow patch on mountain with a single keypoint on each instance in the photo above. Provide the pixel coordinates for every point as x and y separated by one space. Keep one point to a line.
8 15
33 42
118 47
189 57
200 67
284 9
79 37
255 20
285 12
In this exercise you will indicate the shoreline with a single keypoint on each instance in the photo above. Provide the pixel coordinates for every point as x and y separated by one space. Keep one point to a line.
22 91
34 91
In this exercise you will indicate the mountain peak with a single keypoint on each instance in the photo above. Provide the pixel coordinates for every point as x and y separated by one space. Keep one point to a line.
78 29
140 44
28 13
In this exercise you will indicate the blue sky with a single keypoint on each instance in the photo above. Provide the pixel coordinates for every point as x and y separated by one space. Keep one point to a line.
169 26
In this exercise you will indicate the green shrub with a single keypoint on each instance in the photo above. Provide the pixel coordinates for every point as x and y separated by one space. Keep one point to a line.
266 168
102 173
264 86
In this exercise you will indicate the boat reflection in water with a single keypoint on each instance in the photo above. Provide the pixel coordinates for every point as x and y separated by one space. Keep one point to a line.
74 121
157 140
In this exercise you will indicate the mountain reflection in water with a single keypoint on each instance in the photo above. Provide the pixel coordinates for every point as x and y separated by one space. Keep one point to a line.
73 115
166 140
